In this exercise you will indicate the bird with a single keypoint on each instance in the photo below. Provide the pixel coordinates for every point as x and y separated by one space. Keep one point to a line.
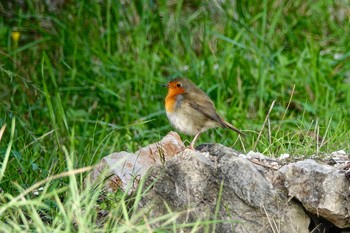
191 111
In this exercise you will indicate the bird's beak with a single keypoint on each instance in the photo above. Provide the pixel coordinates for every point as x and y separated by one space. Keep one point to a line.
165 85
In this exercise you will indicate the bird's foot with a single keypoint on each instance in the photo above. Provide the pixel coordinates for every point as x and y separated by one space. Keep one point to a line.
191 146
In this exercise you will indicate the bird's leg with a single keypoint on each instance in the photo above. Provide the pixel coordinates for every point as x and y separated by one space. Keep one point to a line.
194 140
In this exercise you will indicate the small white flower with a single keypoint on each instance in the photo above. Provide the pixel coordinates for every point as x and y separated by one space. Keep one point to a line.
339 152
325 52
338 56
185 68
283 156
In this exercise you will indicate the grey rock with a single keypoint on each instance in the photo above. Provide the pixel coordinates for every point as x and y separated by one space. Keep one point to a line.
322 189
124 169
218 189
229 188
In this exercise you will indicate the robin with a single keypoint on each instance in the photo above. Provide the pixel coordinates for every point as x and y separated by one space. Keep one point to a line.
190 110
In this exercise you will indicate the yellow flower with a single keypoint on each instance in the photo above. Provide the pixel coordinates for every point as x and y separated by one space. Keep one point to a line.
15 36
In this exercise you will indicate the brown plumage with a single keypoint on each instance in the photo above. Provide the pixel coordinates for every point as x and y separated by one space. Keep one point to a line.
191 111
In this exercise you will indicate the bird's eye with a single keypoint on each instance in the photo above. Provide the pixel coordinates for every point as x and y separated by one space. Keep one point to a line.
178 85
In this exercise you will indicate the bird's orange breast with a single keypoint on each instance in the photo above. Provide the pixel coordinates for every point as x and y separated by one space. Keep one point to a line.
170 99
169 103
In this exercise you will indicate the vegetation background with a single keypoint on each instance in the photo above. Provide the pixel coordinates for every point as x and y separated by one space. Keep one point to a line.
82 79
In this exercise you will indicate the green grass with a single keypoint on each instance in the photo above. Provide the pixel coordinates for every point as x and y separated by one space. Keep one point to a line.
83 80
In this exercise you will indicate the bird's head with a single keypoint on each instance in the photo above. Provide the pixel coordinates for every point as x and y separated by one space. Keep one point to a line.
178 86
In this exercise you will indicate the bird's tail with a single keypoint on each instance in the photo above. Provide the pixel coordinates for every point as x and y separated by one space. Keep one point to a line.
228 125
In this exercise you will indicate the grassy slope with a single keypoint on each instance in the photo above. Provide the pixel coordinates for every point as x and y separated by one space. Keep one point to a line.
85 78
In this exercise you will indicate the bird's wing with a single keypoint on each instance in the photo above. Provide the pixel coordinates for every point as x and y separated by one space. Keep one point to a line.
206 107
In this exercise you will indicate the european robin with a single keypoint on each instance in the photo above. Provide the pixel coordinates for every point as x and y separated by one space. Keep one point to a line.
190 110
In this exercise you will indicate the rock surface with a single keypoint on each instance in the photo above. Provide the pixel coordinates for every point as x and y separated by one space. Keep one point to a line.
322 189
233 192
124 169
247 201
